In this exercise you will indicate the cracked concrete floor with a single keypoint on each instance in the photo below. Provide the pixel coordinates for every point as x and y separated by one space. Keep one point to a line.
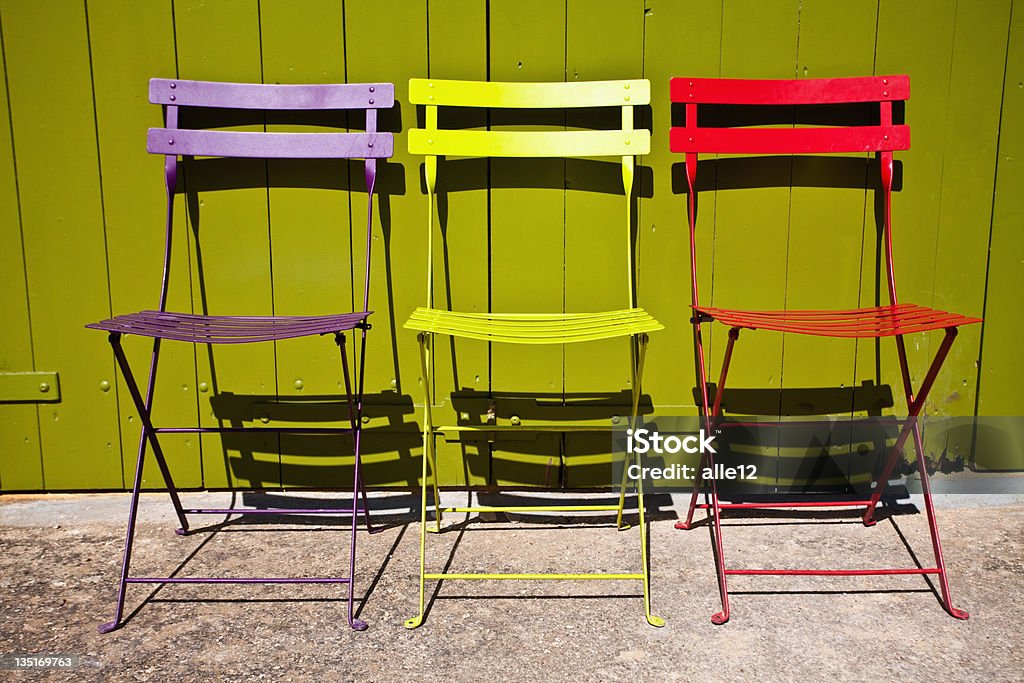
60 557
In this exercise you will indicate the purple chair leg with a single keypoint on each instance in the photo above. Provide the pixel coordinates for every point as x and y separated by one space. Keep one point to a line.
357 624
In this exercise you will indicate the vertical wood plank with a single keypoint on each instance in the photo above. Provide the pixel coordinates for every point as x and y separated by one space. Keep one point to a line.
826 223
21 465
311 240
458 49
999 376
965 204
664 251
915 38
527 226
604 41
386 41
54 132
826 230
751 225
127 49
231 258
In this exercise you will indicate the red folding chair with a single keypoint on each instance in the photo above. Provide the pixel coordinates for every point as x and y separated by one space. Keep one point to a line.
893 320
174 141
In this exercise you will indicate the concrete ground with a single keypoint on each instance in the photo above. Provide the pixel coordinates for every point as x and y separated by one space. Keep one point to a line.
61 554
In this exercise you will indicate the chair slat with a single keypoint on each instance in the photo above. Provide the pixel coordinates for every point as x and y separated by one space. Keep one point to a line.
790 140
793 92
271 96
484 143
529 95
220 143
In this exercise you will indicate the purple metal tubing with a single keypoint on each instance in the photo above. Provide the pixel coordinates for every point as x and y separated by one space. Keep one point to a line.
356 624
269 511
176 91
234 580
230 430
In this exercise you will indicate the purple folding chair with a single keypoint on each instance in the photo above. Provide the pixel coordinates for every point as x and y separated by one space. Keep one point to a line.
173 141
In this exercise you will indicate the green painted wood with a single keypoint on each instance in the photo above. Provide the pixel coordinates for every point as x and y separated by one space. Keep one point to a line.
231 268
826 226
664 273
527 43
915 38
127 50
310 241
458 50
604 41
926 54
751 225
999 385
29 387
953 51
663 285
968 180
54 134
21 466
393 366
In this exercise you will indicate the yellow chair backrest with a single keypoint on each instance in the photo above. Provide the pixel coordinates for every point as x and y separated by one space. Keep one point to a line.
624 142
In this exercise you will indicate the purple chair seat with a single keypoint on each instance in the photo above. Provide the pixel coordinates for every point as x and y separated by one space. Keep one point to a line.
228 329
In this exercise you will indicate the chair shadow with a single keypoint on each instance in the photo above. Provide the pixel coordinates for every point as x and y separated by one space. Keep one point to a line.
299 461
234 524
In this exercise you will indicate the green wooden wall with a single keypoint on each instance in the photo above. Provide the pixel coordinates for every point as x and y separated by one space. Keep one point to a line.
81 229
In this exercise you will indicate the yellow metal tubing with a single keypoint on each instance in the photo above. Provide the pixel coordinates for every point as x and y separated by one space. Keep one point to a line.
537 577
536 508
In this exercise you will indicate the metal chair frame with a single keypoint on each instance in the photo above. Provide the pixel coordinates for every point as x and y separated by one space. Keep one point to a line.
527 328
893 320
174 142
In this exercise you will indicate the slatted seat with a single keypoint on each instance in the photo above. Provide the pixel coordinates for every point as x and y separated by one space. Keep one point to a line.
534 328
858 323
211 329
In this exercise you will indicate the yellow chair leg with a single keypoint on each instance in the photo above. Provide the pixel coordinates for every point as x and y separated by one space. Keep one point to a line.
428 427
418 619
427 441
633 416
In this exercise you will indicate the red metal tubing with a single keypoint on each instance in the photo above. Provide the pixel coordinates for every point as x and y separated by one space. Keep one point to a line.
801 504
830 572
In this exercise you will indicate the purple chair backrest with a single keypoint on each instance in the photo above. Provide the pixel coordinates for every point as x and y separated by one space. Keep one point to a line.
173 141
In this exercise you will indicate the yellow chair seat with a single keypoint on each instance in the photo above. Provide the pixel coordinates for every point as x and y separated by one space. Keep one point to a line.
534 328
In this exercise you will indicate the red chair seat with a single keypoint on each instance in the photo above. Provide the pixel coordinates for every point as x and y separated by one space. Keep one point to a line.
879 321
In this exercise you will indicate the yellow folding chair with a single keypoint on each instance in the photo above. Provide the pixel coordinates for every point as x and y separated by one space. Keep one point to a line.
528 328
